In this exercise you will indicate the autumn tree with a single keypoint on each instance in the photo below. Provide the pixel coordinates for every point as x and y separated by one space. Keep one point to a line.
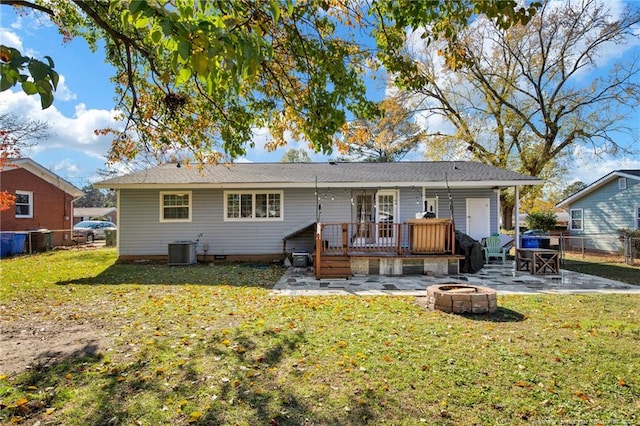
296 156
387 139
522 100
201 76
17 134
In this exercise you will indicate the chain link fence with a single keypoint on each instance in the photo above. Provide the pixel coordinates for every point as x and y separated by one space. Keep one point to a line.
612 247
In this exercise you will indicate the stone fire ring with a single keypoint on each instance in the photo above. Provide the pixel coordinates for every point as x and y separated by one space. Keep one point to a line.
462 298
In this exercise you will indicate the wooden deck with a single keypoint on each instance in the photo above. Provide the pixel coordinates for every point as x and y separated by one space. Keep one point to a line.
337 244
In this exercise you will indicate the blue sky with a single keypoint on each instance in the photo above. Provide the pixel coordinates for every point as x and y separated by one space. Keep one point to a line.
84 102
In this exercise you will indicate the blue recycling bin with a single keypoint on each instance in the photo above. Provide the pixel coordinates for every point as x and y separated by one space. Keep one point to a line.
530 242
6 243
12 243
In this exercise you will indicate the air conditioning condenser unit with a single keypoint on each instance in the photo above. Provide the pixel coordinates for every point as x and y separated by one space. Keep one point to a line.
182 253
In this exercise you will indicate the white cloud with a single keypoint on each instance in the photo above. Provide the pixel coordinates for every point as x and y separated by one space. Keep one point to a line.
260 153
63 93
588 167
65 166
10 39
72 133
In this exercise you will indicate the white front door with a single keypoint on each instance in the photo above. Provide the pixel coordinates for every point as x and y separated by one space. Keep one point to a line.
386 214
478 218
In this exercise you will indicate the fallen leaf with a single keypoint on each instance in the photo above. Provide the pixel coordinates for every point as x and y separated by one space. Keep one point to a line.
583 396
523 384
194 417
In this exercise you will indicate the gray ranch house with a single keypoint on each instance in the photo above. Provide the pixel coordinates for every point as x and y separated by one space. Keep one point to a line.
369 218
598 211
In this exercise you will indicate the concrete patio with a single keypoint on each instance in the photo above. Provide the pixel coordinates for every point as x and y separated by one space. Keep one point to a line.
503 278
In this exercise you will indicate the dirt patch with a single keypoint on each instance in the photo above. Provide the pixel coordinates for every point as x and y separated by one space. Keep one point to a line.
39 342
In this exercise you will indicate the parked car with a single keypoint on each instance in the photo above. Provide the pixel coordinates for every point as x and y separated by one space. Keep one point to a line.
90 230
534 233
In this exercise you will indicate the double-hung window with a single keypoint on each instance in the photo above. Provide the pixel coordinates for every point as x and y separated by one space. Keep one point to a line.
253 205
175 206
576 220
24 204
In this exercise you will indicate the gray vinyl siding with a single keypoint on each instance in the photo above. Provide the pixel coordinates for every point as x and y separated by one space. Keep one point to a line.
409 207
605 211
141 232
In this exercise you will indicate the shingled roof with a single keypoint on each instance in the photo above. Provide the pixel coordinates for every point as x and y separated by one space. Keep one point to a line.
261 175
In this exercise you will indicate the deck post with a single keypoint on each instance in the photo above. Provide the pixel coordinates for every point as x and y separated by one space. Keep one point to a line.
318 260
345 239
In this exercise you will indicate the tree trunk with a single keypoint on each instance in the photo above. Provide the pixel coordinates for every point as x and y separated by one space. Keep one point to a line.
507 216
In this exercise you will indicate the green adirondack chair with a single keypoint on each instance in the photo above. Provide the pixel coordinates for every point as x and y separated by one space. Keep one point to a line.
493 248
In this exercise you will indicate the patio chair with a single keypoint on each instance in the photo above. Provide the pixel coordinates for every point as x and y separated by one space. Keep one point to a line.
493 248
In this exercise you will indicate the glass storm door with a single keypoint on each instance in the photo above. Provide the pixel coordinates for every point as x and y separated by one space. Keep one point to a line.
385 217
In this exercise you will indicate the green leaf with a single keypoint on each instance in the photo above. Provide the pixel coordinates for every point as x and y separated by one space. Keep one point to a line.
10 76
183 76
156 35
141 22
275 10
38 70
50 60
200 63
5 83
136 6
29 88
46 99
184 49
55 77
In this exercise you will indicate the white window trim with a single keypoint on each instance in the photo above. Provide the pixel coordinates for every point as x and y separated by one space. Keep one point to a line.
253 217
161 204
30 215
571 228
622 183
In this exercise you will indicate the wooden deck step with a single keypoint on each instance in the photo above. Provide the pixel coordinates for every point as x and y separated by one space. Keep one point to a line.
335 267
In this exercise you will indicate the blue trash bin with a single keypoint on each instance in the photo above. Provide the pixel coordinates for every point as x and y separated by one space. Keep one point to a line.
19 240
12 243
530 242
6 243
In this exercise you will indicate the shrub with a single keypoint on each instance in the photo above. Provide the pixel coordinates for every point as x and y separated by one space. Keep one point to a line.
635 236
541 220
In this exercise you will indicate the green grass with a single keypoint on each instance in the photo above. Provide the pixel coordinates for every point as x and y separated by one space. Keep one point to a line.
602 266
211 345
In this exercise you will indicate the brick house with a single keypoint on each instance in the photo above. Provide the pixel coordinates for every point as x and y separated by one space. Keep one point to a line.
43 200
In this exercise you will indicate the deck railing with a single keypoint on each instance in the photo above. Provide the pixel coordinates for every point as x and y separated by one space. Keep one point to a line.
418 236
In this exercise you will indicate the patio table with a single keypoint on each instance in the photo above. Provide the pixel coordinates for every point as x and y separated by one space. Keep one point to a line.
538 261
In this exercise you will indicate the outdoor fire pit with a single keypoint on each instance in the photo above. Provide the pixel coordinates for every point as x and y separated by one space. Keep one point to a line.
462 298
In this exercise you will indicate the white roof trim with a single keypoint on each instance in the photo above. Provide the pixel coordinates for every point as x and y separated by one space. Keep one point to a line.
594 186
47 175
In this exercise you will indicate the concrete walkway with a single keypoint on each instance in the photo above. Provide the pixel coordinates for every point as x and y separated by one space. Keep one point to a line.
504 279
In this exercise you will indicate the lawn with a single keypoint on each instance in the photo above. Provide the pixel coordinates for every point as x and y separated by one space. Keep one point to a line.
612 267
153 344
